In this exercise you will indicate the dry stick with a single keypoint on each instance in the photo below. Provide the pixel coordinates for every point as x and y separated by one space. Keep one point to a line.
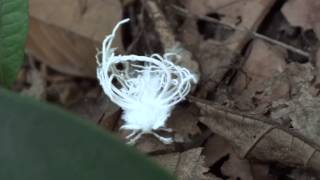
243 29
259 138
167 38
162 27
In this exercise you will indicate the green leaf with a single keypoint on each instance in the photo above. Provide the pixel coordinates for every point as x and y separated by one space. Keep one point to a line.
41 142
13 32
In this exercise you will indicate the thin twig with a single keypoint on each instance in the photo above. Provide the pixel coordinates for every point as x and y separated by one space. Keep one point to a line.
243 29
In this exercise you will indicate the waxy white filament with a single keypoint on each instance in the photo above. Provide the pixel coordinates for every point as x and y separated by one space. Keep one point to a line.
146 88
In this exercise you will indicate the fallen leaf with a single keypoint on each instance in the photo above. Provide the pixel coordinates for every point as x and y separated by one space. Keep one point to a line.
315 16
191 165
188 165
217 56
183 121
239 13
65 34
168 161
214 62
217 148
263 62
262 140
149 144
304 14
303 111
297 13
259 83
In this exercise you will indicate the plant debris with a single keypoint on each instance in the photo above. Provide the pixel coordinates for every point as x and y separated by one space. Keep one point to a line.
253 114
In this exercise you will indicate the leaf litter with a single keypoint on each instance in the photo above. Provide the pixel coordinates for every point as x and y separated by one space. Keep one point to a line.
256 104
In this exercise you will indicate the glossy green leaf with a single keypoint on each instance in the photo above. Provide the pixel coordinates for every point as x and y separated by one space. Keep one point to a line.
13 32
41 142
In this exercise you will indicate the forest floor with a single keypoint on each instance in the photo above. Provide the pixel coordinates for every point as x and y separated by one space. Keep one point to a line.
253 115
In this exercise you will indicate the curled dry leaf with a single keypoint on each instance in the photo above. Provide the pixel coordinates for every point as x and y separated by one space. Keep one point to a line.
260 139
188 165
217 148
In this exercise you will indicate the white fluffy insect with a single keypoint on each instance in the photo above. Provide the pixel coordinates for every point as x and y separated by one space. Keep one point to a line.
146 88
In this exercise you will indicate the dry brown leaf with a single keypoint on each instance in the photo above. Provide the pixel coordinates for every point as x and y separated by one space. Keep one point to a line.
215 58
303 111
297 13
315 16
260 139
235 168
65 34
214 62
188 165
232 11
262 63
168 161
191 165
258 84
149 144
303 13
183 121
241 13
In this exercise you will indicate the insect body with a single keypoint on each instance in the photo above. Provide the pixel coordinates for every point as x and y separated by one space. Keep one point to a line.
147 88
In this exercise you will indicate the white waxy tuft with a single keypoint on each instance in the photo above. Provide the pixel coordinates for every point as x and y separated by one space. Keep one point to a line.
146 88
